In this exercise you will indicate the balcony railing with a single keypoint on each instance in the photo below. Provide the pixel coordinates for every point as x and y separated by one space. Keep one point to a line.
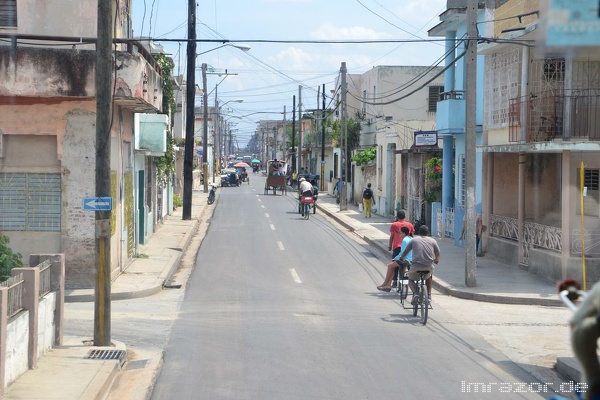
567 114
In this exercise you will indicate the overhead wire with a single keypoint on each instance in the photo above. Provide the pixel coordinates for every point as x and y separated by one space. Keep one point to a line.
383 103
418 77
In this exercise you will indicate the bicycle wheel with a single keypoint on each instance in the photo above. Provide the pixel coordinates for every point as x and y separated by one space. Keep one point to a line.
405 289
424 303
306 211
416 305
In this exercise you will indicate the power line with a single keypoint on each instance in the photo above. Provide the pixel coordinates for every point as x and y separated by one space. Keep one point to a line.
383 103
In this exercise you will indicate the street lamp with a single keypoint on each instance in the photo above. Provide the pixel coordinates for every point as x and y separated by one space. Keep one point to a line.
241 47
190 117
218 119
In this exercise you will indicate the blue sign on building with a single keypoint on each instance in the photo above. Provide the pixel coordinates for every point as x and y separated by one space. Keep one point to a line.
97 203
573 23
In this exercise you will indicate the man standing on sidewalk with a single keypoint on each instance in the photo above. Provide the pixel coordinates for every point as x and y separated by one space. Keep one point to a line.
396 239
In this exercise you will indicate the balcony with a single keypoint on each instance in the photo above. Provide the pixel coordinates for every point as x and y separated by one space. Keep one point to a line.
564 115
451 111
34 74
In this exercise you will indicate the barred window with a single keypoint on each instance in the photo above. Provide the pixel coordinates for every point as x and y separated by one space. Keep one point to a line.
8 13
434 97
30 202
590 179
554 69
591 202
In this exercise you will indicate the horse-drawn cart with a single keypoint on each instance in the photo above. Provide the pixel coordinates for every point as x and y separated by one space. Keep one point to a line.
274 183
275 179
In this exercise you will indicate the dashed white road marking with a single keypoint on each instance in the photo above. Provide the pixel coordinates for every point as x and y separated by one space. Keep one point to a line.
280 245
272 227
295 276
267 215
262 206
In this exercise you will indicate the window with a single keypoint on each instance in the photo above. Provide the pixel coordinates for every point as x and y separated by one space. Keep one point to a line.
462 190
592 197
590 179
30 202
554 69
434 97
8 13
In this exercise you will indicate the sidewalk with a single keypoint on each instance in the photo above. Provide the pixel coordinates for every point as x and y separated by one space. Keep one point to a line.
64 374
497 282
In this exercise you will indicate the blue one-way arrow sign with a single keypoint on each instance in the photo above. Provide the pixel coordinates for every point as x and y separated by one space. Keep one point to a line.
97 203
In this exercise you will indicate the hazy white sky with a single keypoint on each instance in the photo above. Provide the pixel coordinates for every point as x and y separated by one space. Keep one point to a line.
269 74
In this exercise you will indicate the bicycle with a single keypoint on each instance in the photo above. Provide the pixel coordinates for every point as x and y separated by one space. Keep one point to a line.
306 201
424 303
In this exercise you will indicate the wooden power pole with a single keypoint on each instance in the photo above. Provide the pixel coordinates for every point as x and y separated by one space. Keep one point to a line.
104 111
470 148
190 95
344 136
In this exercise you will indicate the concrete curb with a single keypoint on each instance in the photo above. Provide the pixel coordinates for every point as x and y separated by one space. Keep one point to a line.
100 386
569 367
445 288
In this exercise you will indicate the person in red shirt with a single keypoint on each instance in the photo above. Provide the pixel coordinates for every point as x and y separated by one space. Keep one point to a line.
396 240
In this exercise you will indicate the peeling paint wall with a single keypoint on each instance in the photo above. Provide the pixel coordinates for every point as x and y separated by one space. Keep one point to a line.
79 164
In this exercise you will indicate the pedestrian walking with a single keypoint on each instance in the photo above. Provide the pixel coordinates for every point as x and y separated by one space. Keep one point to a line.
368 200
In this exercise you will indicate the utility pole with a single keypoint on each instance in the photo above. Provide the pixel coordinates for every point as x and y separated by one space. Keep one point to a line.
294 135
322 188
344 135
204 129
470 148
217 139
284 136
299 128
190 89
275 142
104 112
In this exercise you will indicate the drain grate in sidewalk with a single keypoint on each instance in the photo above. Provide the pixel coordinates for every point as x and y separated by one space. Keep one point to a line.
118 355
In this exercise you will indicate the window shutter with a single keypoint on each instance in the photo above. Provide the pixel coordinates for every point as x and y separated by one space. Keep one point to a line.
434 97
8 13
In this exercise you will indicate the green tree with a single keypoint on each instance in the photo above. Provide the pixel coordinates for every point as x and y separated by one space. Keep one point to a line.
165 165
433 175
365 156
8 259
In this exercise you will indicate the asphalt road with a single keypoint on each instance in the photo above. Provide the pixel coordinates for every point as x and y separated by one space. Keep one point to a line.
278 307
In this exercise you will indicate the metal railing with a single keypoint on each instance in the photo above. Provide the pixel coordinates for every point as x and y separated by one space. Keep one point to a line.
44 278
558 114
535 235
15 294
592 242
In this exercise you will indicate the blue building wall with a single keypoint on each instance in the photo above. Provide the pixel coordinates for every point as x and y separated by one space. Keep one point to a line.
452 128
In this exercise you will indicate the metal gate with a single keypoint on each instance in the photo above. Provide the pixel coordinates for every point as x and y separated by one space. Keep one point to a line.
414 181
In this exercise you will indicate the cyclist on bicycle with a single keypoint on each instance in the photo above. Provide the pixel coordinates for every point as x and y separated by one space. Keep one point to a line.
305 188
396 262
426 253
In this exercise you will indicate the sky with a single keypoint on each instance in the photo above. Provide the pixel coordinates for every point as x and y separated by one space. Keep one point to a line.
268 75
